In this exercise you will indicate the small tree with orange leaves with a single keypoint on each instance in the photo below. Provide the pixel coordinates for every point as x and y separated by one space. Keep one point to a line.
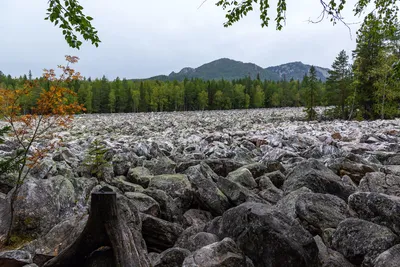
35 134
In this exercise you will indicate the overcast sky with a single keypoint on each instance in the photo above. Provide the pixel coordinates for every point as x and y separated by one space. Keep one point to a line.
146 38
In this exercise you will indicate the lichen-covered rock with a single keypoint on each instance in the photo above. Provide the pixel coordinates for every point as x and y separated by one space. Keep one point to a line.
161 165
172 257
169 209
329 257
361 241
269 191
223 253
159 234
320 211
206 192
378 208
287 204
140 176
236 193
268 237
243 177
318 178
15 258
175 185
196 217
144 203
388 258
197 241
379 182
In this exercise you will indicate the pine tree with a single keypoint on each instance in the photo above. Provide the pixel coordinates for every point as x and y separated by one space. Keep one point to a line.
339 82
311 94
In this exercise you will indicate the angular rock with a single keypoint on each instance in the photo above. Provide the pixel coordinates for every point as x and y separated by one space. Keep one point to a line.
388 258
5 216
267 237
161 165
15 258
196 217
123 185
378 208
318 178
287 204
206 192
236 193
57 239
243 177
379 182
159 234
175 185
169 209
361 241
329 257
172 257
144 203
269 192
223 253
140 176
276 177
320 211
197 241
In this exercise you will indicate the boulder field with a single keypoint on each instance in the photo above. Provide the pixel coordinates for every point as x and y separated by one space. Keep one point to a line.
221 188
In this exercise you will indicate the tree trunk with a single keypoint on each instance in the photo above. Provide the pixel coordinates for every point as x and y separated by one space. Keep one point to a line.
105 227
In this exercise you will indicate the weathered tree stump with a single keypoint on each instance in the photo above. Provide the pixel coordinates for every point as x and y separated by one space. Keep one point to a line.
105 227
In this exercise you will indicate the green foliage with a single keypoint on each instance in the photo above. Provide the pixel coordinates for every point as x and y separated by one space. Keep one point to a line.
69 15
311 95
95 159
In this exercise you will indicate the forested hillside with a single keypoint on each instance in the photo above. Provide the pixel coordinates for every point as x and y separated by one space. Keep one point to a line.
229 69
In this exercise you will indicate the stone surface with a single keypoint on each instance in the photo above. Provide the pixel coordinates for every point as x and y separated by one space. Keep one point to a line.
378 208
196 217
267 237
243 177
320 211
388 258
15 258
223 253
172 257
144 203
379 182
361 241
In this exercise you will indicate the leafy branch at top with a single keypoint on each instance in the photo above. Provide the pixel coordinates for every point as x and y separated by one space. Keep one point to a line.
70 18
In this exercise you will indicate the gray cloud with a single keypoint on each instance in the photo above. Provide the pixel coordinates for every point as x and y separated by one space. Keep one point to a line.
146 38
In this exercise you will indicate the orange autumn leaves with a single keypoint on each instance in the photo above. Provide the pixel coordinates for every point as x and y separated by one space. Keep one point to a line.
37 133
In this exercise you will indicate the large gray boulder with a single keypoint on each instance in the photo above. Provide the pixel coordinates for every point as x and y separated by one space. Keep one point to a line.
237 193
361 241
57 239
161 165
269 191
206 192
159 234
329 257
172 257
223 253
287 204
389 258
169 209
140 176
5 215
267 236
197 241
378 208
318 178
379 182
175 185
320 211
41 204
243 177
15 258
196 217
144 203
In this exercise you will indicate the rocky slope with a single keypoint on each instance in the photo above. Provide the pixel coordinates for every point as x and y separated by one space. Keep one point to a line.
221 188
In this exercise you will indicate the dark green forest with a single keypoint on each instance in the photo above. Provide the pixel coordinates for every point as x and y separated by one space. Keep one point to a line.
369 88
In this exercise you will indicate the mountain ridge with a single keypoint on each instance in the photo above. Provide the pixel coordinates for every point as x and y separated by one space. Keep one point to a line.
229 69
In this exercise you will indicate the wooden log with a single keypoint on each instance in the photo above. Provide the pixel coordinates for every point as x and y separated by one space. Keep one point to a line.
105 227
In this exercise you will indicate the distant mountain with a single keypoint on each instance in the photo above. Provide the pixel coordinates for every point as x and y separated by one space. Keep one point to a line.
229 69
